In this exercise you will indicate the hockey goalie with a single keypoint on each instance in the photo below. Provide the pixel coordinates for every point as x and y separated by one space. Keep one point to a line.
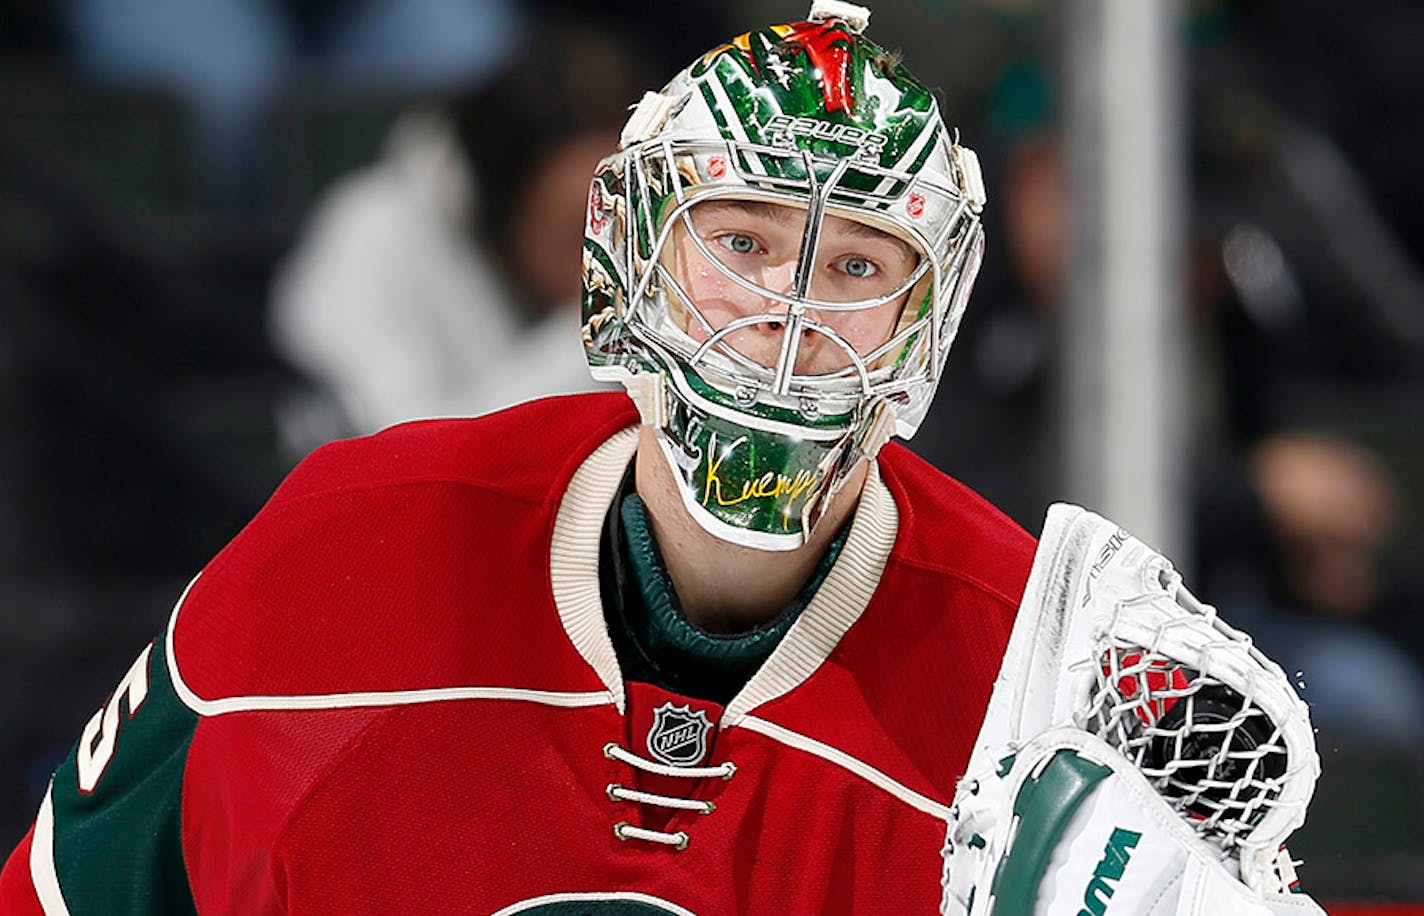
1139 756
716 646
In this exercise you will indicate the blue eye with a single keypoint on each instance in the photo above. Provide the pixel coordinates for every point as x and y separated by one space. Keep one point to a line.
738 243
859 268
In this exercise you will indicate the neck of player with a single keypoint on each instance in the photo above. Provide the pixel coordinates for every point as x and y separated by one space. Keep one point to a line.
724 587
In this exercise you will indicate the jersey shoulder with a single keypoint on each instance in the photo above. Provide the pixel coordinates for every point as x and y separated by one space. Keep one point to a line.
947 527
386 564
906 688
521 450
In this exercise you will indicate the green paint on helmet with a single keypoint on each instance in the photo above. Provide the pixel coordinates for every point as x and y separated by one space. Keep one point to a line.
818 119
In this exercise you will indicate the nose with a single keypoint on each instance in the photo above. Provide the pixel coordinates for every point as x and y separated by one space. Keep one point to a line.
779 278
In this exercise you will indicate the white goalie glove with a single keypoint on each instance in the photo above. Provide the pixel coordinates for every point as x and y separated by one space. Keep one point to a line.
1139 757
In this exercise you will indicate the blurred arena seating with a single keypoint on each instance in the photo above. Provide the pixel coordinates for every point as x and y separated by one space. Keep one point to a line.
135 395
137 387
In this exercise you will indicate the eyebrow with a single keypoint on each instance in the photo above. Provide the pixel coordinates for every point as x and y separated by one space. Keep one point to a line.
774 212
856 229
785 216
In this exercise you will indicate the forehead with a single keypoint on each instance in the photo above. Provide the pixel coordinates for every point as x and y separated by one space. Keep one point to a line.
791 216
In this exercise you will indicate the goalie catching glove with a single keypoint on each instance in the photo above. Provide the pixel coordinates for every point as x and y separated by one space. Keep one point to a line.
1139 757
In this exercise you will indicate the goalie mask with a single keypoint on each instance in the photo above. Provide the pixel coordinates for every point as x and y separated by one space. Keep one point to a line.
775 264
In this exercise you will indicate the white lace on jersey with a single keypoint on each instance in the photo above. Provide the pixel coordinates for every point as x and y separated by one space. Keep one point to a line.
617 792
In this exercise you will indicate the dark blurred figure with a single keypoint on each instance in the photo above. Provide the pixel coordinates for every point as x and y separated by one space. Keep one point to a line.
1292 548
992 421
1309 261
230 58
1329 509
1357 77
1309 284
444 279
31 28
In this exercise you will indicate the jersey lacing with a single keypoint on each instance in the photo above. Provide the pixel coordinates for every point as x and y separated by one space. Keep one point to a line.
616 792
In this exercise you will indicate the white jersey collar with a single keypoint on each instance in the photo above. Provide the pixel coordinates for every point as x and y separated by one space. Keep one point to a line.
837 604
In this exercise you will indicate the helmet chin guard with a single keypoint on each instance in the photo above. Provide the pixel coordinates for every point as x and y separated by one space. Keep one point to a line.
762 486
805 147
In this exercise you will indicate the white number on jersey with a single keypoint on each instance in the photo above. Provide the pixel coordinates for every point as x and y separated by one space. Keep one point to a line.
96 745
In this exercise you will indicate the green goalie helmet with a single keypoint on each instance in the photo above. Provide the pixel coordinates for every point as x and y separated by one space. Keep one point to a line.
775 263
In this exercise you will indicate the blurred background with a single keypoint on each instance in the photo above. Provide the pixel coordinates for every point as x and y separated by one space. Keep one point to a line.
231 230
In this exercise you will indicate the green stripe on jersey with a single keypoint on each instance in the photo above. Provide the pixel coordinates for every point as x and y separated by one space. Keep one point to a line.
118 846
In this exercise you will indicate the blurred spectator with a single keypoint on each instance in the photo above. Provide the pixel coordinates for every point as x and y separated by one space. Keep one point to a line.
444 279
1313 524
228 57
1296 559
1331 508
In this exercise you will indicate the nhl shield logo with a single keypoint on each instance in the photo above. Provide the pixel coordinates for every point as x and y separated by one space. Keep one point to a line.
679 735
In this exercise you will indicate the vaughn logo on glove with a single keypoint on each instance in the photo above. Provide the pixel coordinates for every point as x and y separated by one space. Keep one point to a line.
1109 871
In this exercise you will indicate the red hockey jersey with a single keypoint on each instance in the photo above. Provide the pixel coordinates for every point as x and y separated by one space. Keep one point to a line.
394 692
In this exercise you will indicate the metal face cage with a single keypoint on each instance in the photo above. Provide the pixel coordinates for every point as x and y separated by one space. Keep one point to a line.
668 179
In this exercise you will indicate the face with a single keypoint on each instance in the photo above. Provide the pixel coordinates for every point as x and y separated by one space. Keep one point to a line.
761 242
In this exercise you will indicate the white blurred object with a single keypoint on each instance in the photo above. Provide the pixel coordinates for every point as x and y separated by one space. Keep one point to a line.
391 306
